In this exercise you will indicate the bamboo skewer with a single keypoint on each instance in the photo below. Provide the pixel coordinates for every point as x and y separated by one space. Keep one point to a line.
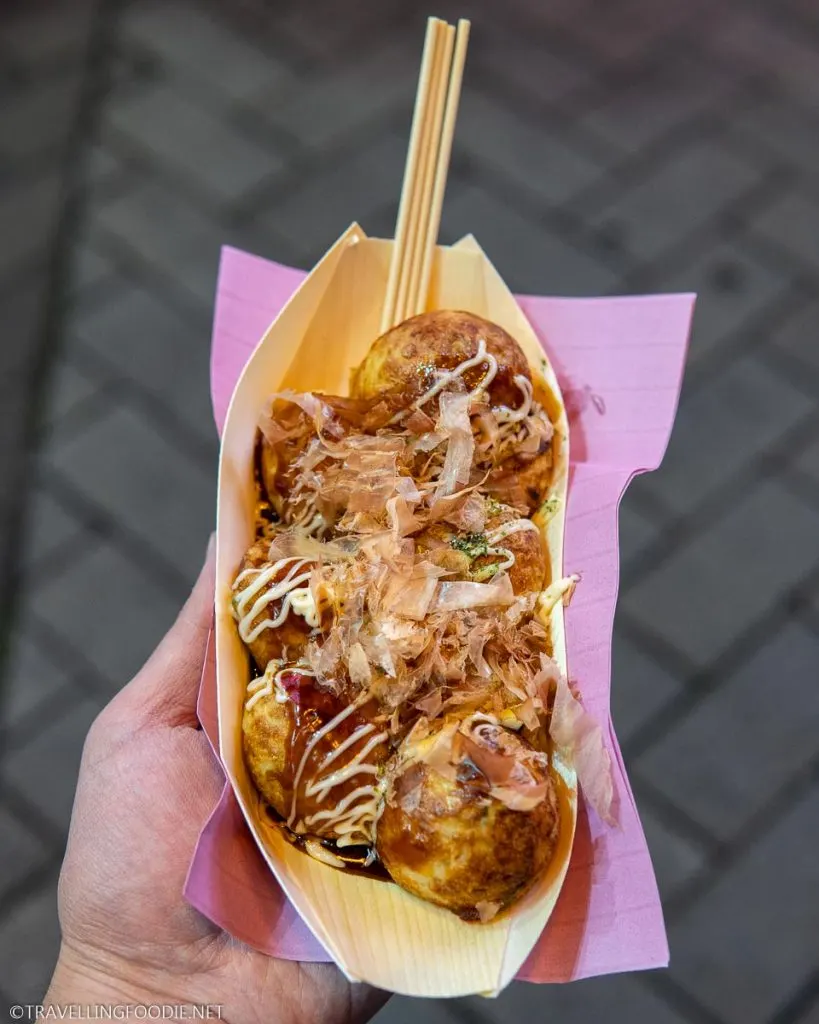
428 146
410 171
409 306
425 172
442 166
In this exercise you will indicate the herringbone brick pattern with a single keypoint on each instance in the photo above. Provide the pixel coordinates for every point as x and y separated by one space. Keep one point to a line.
603 146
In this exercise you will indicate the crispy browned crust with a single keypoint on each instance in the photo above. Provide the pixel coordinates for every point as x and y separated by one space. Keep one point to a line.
293 633
455 846
527 575
402 361
266 729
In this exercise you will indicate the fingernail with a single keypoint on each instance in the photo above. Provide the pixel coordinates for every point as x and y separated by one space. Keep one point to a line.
211 547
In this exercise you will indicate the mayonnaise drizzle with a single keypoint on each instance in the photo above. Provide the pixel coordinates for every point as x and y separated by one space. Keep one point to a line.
500 534
308 750
505 530
352 818
504 553
309 520
446 377
270 684
297 597
504 414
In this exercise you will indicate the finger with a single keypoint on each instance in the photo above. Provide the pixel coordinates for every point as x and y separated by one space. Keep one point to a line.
166 688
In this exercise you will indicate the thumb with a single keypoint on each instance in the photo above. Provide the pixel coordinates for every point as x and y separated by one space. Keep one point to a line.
165 689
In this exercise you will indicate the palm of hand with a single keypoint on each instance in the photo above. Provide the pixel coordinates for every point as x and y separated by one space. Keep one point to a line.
147 784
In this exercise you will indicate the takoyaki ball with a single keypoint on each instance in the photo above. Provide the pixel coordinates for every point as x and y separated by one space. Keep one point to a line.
506 543
511 536
450 842
443 545
288 431
534 476
522 483
405 361
267 724
283 713
270 620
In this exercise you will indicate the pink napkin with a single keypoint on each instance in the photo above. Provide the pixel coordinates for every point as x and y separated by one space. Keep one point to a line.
620 365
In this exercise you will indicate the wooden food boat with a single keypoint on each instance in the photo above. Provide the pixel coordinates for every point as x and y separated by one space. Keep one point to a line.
375 931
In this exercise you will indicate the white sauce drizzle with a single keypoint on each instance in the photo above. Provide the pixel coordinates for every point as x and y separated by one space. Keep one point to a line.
560 590
262 687
507 529
270 684
446 377
504 553
504 414
353 817
297 597
321 853
309 520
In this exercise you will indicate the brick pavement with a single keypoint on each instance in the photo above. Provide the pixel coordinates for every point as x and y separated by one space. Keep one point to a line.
603 147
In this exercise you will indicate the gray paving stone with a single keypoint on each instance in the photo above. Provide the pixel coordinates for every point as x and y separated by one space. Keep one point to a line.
525 62
327 108
812 1016
128 468
28 216
808 461
530 257
529 157
755 39
733 290
45 35
46 767
87 269
47 528
146 341
368 179
22 310
203 150
639 687
168 234
486 17
102 166
402 1010
20 853
793 223
68 388
29 944
675 858
122 615
721 427
735 751
39 118
617 999
30 678
625 30
636 531
797 335
784 127
202 47
316 28
729 575
657 103
13 404
746 946
683 193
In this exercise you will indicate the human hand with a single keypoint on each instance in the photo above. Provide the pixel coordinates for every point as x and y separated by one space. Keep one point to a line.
148 781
